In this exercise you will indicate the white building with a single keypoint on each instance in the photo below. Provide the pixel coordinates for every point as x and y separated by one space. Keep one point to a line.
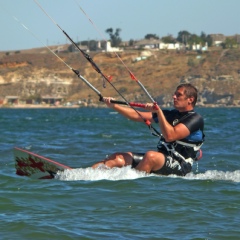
196 47
170 46
109 48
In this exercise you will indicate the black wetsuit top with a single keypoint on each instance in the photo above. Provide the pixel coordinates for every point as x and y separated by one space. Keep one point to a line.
193 121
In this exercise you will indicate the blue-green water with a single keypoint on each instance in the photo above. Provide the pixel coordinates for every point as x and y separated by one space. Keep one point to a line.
117 203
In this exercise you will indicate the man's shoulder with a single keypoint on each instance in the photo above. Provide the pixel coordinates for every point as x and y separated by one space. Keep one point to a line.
170 111
193 121
196 115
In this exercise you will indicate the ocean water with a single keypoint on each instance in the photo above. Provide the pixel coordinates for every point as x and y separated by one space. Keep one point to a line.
117 203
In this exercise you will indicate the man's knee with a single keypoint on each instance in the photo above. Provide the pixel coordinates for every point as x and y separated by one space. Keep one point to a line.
155 160
119 158
150 155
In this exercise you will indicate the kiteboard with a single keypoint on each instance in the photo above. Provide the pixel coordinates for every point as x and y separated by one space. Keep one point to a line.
35 166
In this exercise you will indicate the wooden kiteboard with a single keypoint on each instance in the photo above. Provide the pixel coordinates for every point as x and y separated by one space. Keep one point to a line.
35 166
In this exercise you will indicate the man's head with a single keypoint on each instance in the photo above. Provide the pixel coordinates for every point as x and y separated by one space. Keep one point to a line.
185 96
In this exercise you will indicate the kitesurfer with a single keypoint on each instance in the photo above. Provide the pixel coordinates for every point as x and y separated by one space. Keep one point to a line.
181 135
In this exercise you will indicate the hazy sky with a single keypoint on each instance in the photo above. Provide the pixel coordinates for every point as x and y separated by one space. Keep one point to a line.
135 18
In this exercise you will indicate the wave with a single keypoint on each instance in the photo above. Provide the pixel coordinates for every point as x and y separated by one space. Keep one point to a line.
216 175
100 173
127 173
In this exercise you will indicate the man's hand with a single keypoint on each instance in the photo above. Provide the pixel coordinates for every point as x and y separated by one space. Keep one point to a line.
152 107
107 101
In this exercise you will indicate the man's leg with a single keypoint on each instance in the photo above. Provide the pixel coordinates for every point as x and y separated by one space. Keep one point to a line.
116 160
152 161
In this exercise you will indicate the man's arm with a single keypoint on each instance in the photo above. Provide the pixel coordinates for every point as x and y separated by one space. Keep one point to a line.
129 112
169 132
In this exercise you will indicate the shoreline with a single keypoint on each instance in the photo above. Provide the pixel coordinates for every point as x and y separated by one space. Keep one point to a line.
45 106
35 106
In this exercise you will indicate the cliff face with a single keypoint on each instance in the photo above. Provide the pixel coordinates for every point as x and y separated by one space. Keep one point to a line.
38 72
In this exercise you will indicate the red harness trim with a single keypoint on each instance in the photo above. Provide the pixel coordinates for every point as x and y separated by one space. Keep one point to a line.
200 154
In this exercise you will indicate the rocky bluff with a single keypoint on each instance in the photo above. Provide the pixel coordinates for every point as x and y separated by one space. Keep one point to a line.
34 73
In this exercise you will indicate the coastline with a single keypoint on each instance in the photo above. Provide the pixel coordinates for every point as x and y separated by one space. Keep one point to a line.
36 106
48 106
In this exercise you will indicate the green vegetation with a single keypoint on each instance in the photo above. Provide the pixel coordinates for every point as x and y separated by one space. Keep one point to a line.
230 43
151 36
115 38
188 38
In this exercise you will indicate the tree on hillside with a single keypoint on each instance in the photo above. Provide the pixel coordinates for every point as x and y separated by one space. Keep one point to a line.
206 38
131 42
229 43
194 39
114 37
183 36
169 39
188 38
151 36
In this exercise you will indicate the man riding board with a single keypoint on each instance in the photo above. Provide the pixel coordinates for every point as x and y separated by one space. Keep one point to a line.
181 135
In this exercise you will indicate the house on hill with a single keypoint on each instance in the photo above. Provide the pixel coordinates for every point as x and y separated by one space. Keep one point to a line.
147 44
157 44
217 39
73 48
109 48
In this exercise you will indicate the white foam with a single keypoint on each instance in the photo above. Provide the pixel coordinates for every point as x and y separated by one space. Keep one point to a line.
126 173
216 175
101 173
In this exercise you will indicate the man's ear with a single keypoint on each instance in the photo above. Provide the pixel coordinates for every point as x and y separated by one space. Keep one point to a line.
190 100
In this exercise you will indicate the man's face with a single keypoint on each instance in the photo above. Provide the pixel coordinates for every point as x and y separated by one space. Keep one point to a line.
180 100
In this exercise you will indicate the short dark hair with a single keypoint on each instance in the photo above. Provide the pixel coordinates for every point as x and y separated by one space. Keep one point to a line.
189 91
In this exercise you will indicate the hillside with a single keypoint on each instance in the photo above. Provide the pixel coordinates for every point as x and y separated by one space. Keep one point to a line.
37 72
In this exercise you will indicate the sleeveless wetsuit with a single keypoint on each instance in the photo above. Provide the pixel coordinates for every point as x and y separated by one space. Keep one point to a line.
174 165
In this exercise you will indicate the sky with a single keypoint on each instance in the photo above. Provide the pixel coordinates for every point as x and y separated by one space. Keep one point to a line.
135 18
